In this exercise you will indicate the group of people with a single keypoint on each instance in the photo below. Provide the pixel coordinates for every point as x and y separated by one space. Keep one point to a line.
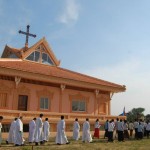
39 131
122 129
61 137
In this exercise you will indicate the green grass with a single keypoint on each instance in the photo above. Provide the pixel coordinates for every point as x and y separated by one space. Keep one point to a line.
78 145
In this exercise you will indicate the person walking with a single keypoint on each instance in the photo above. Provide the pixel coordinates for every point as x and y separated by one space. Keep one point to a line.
106 129
131 128
19 140
86 135
76 130
120 131
61 137
11 134
125 126
97 128
32 127
46 127
39 130
111 127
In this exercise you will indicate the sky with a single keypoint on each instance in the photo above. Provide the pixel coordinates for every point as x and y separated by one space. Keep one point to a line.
106 39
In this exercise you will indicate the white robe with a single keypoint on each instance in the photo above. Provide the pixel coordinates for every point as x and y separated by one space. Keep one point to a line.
76 130
0 133
86 135
11 136
32 127
19 132
61 137
39 130
46 127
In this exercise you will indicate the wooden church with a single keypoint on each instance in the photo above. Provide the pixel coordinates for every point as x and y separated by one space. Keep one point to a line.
32 82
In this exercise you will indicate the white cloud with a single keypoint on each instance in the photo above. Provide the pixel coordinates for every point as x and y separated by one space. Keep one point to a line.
70 12
134 74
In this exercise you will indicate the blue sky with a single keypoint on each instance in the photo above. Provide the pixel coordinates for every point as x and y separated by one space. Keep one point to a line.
102 38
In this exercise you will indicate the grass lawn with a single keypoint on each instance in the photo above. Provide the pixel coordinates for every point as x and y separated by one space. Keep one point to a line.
100 144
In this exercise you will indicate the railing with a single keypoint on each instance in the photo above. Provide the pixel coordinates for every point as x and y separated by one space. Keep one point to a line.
53 116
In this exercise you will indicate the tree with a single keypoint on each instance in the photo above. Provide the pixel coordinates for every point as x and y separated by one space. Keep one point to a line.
135 113
147 117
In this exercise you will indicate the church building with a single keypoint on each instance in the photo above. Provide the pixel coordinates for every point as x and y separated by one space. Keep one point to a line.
32 82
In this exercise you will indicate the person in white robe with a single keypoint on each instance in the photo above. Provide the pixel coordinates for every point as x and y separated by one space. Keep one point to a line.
19 140
39 130
11 135
61 137
86 135
32 127
1 118
46 128
76 130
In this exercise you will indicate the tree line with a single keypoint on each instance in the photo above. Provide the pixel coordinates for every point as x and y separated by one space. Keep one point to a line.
137 113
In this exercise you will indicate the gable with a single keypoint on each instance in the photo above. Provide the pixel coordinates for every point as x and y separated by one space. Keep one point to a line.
42 53
10 52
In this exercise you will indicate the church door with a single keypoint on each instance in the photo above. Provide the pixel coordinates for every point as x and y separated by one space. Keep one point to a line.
22 102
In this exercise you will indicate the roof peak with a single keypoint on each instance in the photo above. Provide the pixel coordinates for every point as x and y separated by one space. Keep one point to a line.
24 52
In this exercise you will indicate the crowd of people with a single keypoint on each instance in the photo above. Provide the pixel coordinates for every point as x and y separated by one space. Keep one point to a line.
124 130
39 131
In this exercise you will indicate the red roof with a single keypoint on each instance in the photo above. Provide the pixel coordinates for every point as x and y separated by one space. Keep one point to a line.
54 71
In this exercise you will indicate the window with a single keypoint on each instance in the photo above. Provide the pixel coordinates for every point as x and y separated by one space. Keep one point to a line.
22 102
35 56
78 106
44 103
3 100
46 59
40 55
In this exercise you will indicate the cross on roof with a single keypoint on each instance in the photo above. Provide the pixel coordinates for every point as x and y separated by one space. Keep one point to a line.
27 35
